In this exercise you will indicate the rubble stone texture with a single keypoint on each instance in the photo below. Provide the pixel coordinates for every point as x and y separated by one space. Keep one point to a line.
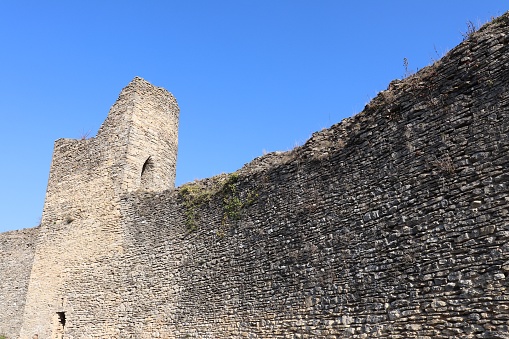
391 224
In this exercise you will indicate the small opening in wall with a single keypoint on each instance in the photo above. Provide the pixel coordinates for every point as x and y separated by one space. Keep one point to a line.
61 318
147 173
146 166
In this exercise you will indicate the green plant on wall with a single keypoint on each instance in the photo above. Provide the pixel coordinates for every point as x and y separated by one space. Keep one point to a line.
233 202
193 196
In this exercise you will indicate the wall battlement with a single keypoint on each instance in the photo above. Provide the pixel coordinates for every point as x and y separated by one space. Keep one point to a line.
393 223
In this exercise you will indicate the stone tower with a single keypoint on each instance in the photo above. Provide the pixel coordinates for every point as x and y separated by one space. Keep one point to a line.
135 149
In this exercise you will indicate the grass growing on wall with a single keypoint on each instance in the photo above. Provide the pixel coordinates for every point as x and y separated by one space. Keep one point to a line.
194 196
224 187
233 202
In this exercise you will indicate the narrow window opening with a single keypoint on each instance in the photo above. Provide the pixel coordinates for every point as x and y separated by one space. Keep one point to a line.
147 174
61 318
146 166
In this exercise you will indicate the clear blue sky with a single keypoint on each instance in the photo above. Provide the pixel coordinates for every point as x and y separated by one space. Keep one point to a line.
250 76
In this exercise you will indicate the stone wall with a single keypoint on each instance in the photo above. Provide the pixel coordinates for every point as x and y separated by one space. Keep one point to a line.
393 223
17 250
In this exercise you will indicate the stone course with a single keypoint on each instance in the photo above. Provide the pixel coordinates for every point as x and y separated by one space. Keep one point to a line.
390 224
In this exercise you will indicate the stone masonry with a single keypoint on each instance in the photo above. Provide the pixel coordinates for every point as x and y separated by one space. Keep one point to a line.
17 250
391 224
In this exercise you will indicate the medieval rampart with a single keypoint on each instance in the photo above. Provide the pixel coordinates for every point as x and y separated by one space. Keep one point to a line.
393 223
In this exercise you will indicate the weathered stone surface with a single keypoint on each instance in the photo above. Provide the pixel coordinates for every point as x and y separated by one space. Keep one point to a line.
17 250
391 224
